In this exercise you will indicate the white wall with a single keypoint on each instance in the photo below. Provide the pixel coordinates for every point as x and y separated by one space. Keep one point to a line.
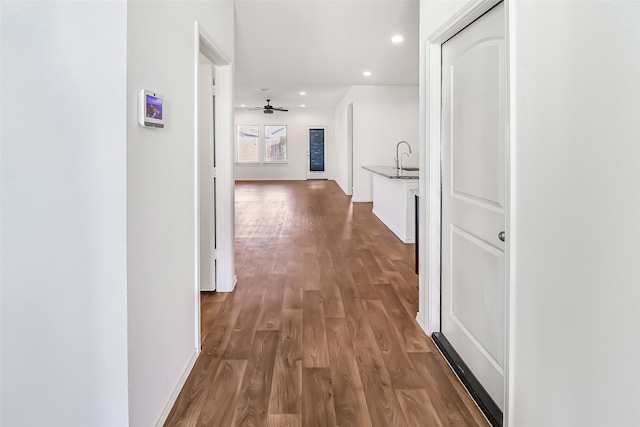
577 187
382 116
576 178
297 121
64 307
161 187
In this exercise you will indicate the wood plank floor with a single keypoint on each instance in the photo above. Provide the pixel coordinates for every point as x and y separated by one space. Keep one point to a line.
321 330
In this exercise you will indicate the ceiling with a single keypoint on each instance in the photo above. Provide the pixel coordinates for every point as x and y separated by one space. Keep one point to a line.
321 47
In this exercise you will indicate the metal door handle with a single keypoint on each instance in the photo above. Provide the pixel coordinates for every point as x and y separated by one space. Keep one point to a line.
501 235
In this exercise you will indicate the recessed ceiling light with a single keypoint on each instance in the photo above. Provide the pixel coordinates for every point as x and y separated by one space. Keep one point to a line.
397 38
302 105
303 93
366 73
243 105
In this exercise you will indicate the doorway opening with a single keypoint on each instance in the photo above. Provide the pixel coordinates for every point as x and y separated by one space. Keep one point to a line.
207 174
316 152
468 265
213 172
350 149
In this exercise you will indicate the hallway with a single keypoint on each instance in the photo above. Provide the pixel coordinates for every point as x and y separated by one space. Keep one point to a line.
320 330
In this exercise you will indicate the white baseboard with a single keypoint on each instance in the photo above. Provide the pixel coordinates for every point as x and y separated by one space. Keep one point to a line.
361 200
176 391
399 234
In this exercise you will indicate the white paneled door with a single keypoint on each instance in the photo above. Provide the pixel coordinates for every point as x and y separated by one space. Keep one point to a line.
473 198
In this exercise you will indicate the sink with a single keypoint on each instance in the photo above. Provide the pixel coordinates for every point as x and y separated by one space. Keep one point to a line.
411 169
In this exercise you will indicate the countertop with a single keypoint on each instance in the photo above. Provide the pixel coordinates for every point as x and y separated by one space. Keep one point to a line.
391 172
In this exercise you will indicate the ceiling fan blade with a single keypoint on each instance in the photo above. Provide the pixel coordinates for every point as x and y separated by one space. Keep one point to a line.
280 109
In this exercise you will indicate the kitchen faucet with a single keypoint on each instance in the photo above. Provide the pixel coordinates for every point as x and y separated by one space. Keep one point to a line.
397 159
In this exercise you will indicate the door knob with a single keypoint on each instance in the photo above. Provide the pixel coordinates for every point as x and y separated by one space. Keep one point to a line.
501 235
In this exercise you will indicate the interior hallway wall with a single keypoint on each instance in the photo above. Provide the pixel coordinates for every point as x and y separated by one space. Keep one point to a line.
161 197
64 250
576 207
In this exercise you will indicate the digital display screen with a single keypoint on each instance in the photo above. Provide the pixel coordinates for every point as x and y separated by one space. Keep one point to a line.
154 107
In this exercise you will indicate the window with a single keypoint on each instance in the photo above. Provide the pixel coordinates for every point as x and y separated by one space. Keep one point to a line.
247 144
275 143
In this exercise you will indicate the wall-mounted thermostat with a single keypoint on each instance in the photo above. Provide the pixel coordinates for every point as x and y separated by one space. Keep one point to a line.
150 109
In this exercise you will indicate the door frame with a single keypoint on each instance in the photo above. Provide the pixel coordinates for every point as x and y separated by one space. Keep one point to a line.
465 16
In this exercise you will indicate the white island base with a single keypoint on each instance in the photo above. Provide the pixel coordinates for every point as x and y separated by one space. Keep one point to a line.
394 204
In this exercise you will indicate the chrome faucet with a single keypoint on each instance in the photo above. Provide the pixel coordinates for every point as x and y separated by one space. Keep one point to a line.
397 159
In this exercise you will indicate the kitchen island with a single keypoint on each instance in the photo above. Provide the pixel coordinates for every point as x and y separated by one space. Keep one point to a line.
393 199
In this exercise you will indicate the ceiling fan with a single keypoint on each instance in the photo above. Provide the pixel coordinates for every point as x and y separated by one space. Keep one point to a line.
268 109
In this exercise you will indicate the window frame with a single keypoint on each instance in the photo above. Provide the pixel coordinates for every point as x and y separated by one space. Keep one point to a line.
237 145
265 141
